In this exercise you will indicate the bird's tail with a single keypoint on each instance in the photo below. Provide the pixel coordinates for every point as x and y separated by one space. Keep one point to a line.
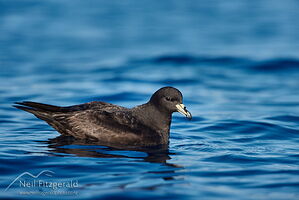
40 110
34 107
44 112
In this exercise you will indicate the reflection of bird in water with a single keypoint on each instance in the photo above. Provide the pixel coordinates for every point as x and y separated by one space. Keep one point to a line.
65 146
112 125
82 148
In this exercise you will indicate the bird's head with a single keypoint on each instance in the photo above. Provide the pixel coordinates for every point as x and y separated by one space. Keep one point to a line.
170 99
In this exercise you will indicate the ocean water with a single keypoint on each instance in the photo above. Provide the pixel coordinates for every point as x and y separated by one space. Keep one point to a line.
236 63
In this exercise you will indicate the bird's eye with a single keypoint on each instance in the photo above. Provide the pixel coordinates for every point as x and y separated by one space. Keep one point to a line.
168 99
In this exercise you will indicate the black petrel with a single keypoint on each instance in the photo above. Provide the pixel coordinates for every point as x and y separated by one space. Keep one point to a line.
144 125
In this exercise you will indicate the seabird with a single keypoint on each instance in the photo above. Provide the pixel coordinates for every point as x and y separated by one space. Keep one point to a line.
144 125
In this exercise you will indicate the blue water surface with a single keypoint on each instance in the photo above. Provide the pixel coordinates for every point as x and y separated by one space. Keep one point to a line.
236 63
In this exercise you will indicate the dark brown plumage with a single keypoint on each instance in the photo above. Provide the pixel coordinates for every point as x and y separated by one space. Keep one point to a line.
144 125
